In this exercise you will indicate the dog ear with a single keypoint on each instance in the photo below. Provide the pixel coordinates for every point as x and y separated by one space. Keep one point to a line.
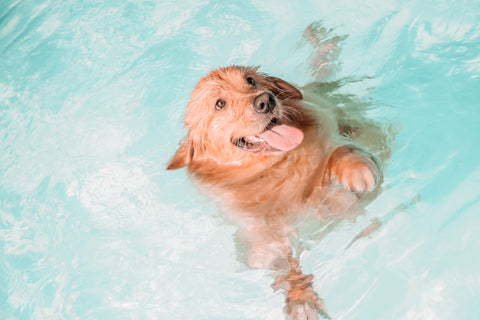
182 157
282 89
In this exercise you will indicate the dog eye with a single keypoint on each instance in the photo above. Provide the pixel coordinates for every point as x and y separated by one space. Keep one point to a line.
251 82
220 104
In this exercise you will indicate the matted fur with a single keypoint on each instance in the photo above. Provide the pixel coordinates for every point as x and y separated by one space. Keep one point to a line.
267 193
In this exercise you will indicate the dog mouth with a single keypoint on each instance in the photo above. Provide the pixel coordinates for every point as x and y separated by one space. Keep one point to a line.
275 137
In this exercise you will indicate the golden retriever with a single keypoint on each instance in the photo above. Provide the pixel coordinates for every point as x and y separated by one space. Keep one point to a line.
272 159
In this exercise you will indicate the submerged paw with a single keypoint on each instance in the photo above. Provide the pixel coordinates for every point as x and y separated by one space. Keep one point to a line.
304 304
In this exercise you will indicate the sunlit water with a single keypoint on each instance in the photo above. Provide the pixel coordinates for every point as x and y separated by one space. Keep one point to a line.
91 102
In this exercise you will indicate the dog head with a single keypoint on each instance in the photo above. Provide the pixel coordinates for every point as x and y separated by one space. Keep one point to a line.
236 114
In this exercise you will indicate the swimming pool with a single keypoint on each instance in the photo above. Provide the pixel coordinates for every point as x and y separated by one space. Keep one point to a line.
91 102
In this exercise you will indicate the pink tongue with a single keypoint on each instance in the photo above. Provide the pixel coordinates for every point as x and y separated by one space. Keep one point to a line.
283 137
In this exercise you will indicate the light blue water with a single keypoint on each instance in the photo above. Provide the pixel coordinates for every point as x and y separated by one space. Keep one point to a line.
91 102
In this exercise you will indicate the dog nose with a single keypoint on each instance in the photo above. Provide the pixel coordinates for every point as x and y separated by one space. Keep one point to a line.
264 103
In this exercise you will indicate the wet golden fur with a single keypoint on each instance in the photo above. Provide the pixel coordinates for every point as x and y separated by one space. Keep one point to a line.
267 193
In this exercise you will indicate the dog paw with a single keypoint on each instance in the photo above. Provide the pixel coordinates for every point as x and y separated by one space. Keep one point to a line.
307 306
303 312
354 170
359 175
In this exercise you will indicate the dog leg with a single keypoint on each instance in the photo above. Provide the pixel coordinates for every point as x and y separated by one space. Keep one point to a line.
302 303
268 249
326 49
353 168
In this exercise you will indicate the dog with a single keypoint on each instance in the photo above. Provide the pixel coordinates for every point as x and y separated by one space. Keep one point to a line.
272 159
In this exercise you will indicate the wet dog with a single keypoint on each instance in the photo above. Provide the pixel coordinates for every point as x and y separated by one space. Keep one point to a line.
272 159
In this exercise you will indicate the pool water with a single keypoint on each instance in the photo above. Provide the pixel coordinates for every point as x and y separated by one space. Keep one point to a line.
92 96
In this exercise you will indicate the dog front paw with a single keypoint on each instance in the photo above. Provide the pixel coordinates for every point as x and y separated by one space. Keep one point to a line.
358 175
353 169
